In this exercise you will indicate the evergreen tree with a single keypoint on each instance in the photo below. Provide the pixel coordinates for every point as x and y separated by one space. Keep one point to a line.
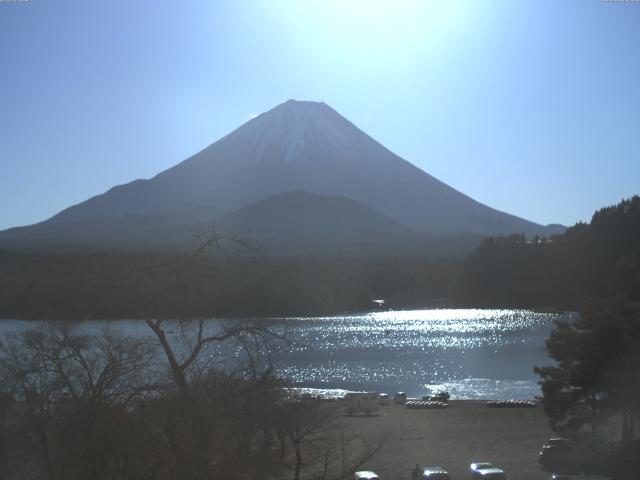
597 375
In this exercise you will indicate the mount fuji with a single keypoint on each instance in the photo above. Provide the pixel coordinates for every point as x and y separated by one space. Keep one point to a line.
247 179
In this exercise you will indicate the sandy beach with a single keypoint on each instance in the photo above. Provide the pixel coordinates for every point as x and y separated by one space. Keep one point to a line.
467 431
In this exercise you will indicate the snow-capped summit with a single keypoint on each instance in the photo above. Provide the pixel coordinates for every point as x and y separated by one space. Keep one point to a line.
292 131
296 127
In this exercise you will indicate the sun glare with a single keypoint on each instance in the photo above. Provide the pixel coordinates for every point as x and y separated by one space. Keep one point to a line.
381 32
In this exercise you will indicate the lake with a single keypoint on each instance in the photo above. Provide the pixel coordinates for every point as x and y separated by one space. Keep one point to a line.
472 353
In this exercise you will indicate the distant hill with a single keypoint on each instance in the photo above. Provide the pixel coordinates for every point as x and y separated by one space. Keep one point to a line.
296 146
303 223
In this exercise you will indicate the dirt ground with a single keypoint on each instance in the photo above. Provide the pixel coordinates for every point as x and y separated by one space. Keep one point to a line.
467 431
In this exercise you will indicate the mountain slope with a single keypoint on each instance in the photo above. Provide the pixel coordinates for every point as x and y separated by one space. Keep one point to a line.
304 146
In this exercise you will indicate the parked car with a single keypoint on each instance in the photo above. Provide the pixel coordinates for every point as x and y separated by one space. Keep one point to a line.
565 442
556 453
442 396
477 466
361 402
558 476
400 398
366 475
434 473
492 473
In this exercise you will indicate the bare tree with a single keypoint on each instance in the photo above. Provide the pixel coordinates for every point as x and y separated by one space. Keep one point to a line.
323 449
343 453
71 394
255 339
75 405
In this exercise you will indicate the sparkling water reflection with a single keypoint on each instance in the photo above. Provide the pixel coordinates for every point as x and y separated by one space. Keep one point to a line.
472 353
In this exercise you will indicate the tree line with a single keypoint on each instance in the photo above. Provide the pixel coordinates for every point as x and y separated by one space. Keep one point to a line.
593 385
41 285
598 259
560 272
591 389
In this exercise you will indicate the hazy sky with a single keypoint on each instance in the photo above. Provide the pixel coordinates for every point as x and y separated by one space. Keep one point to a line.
529 107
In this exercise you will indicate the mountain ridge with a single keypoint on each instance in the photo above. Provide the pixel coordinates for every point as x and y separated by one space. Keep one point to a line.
295 146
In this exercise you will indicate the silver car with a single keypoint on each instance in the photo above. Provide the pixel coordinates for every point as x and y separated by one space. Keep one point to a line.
477 466
366 475
490 474
434 473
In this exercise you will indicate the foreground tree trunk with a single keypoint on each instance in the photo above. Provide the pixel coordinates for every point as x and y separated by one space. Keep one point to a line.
298 467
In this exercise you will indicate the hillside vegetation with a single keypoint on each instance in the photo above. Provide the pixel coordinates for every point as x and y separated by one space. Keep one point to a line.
68 286
587 261
562 272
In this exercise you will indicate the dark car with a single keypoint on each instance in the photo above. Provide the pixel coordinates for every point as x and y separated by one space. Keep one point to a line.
557 452
442 396
400 398
560 442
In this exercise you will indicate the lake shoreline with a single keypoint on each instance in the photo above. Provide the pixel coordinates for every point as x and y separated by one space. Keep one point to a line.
472 353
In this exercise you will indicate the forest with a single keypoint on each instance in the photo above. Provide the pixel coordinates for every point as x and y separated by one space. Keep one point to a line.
591 389
107 286
590 260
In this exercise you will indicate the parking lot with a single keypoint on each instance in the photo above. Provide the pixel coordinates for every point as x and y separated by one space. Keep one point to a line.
465 432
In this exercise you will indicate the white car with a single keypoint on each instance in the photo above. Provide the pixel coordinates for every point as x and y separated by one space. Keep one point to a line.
477 466
434 473
366 475
492 473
